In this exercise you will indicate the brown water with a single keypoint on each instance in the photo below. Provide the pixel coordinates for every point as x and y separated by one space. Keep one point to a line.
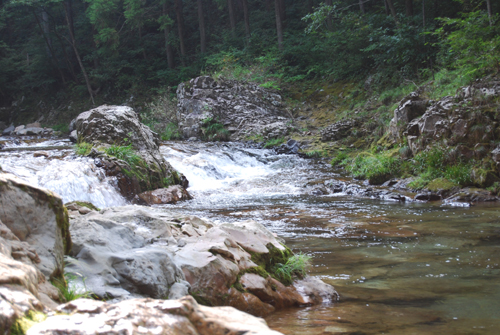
399 269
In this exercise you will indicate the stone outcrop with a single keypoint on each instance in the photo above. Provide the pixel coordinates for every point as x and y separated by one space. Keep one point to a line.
32 129
135 251
339 130
36 216
411 107
245 109
147 316
107 126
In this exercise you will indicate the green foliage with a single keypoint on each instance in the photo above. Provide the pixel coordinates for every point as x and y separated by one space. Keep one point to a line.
470 43
339 158
495 188
21 325
171 132
376 168
83 148
68 290
125 153
214 131
274 142
316 153
295 266
63 128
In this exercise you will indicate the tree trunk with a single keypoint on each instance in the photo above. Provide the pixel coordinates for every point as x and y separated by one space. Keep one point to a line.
393 10
386 7
309 6
168 47
232 19
247 20
279 24
44 28
409 7
362 6
203 42
77 54
282 12
329 23
268 5
488 4
180 27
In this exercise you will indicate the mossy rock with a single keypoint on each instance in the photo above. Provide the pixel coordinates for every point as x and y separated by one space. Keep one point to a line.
483 177
86 204
21 325
440 184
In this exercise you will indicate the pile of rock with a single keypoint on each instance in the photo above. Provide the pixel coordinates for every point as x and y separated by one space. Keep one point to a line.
244 108
31 129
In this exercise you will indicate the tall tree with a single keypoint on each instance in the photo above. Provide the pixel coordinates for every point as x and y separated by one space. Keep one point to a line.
329 23
362 6
488 5
165 23
203 41
246 17
409 7
68 14
232 18
393 10
279 24
180 27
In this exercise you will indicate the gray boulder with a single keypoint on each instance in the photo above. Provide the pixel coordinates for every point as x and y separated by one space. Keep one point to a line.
244 108
339 130
37 216
105 126
7 131
411 107
147 316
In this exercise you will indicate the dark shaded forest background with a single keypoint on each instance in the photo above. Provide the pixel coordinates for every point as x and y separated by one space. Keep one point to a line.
103 51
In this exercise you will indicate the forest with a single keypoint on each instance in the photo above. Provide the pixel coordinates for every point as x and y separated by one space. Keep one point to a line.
105 51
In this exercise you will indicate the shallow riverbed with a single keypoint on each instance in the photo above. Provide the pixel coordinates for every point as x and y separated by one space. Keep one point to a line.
400 268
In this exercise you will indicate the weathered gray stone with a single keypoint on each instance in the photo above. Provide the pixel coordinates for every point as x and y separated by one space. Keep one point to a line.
37 216
339 130
244 108
411 107
147 316
170 195
120 125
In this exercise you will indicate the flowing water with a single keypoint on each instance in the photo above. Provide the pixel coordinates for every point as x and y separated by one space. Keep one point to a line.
399 268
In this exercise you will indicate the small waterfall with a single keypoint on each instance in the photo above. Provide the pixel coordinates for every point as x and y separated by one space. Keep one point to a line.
61 171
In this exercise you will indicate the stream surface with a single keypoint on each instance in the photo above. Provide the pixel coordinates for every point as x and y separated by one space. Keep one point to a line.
400 268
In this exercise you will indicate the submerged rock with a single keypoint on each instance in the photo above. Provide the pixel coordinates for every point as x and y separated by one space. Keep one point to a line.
147 316
170 195
136 160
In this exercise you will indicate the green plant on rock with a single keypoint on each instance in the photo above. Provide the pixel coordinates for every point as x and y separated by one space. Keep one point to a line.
68 290
31 318
295 266
339 158
213 130
274 142
83 148
171 132
125 153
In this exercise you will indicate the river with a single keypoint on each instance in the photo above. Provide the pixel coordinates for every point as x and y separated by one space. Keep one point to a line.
400 268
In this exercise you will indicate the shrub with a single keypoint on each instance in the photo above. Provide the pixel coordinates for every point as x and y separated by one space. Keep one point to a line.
171 132
274 142
295 266
339 158
83 148
213 130
125 153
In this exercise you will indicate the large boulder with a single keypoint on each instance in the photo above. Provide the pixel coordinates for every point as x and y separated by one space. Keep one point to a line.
147 316
119 126
130 251
37 216
339 130
244 108
411 107
23 288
